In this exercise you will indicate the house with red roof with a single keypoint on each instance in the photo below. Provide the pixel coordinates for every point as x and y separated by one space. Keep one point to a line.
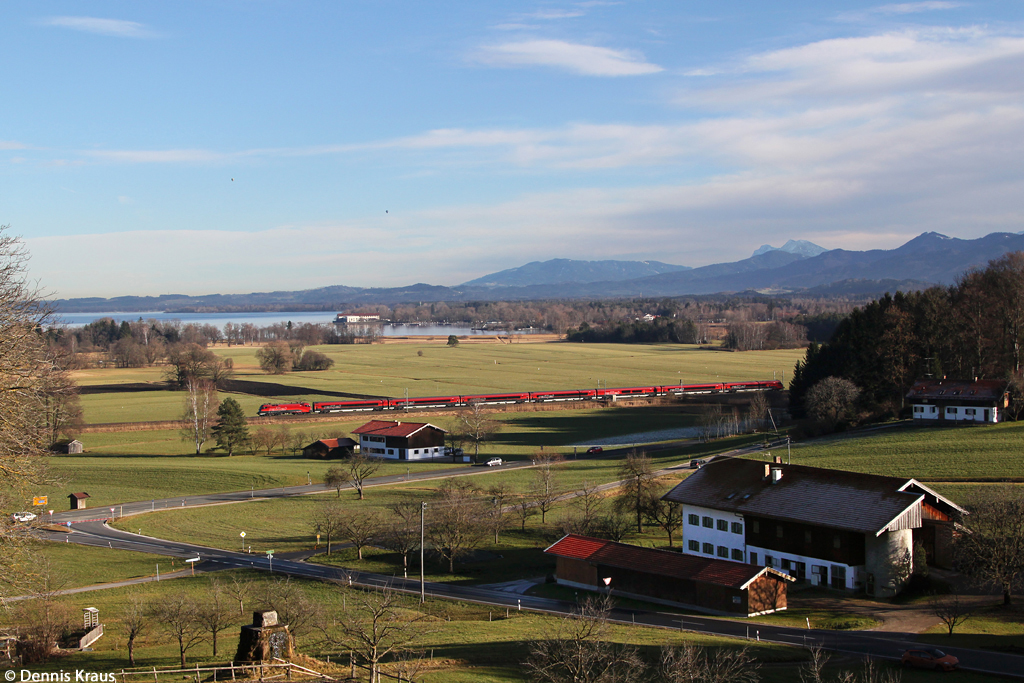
844 530
703 584
400 440
956 400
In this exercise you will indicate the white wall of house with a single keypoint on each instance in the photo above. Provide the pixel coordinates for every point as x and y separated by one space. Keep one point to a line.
957 413
730 544
716 534
376 446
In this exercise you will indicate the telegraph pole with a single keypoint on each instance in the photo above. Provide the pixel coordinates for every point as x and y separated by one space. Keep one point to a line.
423 512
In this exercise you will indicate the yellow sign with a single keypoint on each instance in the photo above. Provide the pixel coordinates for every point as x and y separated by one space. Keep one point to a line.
38 500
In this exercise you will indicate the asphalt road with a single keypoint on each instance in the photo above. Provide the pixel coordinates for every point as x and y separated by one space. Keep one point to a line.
90 528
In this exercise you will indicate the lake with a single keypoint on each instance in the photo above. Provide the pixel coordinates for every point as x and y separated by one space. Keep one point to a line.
263 319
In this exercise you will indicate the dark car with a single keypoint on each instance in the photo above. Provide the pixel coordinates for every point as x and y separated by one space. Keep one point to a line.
930 658
594 449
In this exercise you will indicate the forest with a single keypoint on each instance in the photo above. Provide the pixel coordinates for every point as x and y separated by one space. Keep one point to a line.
973 328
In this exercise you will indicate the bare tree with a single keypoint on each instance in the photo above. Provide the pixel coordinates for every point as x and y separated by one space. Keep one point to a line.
62 410
584 508
359 528
42 622
214 614
545 490
497 515
709 421
263 438
524 508
758 410
476 426
373 627
638 486
326 521
577 651
240 589
178 616
23 396
336 478
356 469
951 610
668 516
402 533
614 527
134 622
201 405
692 663
455 525
991 548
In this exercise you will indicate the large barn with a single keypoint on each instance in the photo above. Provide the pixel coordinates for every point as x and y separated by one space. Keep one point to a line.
702 584
400 440
844 530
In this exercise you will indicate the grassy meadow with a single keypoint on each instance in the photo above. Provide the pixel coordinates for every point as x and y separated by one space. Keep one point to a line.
391 369
461 641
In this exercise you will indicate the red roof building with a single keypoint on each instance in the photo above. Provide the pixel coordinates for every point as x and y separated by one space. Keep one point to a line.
329 448
698 583
400 440
958 400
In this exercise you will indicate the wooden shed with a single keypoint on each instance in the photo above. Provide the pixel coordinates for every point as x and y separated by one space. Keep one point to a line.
71 447
330 448
77 500
702 584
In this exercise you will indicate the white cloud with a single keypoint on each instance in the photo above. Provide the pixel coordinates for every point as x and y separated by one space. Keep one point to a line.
106 27
913 7
555 14
587 60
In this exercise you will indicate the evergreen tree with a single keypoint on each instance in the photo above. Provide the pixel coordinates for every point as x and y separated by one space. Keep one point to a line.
232 431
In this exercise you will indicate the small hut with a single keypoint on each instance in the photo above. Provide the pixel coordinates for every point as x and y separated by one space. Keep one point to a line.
70 447
77 500
330 448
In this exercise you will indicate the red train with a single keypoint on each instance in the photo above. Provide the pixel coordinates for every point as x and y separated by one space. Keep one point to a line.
605 394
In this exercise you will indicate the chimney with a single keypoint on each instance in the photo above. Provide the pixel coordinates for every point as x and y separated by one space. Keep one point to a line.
767 470
778 459
776 474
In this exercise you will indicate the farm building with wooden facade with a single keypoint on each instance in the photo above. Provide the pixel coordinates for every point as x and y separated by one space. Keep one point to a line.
843 530
698 583
954 400
330 448
400 440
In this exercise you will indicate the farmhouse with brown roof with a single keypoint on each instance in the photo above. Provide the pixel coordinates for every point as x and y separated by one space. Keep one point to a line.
833 528
400 440
698 583
330 448
957 400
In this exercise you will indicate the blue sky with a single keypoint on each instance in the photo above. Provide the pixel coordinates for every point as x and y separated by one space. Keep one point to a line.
255 145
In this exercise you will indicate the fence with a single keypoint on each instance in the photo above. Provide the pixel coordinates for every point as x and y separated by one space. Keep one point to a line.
229 671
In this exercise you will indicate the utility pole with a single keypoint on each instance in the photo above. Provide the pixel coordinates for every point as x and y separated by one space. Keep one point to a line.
423 512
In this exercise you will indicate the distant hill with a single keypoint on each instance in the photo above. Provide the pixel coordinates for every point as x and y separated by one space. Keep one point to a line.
928 259
560 270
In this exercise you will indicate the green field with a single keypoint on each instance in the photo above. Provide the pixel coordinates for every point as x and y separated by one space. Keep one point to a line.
392 369
988 453
130 466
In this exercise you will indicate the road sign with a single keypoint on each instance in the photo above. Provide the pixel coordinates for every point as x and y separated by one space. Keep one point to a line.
38 501
242 534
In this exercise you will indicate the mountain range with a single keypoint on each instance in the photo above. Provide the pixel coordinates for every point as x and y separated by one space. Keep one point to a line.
928 259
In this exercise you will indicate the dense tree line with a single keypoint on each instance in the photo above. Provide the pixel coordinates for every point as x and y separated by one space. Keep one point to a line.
677 331
973 328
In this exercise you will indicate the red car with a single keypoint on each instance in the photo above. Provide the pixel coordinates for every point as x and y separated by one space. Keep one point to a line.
930 658
594 449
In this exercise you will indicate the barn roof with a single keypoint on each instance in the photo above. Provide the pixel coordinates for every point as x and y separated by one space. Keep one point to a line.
79 496
343 442
659 562
389 428
979 390
851 501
